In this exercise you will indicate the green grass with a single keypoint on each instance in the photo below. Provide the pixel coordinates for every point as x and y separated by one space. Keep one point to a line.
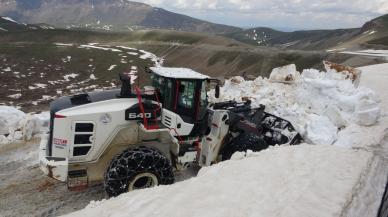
48 59
380 41
223 56
82 36
80 59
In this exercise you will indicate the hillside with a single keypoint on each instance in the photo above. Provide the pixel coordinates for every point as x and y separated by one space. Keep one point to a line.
304 40
105 15
9 25
372 34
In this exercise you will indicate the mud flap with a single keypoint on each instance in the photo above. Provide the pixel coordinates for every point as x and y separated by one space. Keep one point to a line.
53 167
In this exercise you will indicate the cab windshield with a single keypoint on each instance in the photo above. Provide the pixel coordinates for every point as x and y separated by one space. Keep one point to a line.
188 98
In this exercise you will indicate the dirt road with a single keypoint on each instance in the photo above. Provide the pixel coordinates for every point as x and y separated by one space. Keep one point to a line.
26 191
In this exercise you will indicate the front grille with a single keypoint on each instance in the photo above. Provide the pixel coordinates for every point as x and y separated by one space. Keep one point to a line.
167 121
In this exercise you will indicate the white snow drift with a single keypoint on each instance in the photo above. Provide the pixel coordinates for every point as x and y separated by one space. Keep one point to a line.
16 125
317 103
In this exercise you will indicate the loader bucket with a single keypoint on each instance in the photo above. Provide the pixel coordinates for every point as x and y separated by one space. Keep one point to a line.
278 131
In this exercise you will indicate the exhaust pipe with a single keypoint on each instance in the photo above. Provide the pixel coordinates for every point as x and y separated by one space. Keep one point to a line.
125 85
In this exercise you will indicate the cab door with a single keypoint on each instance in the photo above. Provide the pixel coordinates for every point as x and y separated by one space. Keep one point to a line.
185 104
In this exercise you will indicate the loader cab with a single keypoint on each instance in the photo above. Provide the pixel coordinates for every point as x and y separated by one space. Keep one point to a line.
182 91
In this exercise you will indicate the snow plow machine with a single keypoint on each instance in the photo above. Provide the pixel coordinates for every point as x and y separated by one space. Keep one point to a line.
133 138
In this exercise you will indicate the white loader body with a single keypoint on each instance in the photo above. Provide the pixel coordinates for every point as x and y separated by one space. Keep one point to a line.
107 127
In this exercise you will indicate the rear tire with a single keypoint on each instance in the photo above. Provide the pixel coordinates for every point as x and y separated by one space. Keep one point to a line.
138 168
243 143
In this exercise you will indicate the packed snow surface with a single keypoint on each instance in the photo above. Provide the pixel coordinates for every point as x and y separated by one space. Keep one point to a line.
378 74
318 104
178 73
281 181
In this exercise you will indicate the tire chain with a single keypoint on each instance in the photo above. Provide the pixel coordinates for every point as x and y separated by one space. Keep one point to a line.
132 162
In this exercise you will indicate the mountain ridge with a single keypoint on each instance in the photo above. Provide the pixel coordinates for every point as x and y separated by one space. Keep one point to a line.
373 33
117 15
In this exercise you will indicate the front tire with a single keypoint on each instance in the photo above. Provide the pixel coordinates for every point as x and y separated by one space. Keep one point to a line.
137 168
243 143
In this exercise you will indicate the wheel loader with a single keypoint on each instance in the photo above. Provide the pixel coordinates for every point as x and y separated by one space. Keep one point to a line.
133 138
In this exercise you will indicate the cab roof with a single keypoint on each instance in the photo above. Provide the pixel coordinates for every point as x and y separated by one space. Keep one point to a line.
179 73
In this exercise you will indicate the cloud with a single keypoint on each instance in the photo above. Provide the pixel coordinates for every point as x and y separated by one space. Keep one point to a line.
279 13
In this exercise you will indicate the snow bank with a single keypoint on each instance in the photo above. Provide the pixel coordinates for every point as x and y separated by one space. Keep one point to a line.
299 181
317 103
15 125
9 119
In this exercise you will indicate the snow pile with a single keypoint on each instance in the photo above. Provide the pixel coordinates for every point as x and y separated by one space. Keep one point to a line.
286 74
251 186
16 125
318 104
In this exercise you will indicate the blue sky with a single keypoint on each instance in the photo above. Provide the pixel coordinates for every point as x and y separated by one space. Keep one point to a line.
286 14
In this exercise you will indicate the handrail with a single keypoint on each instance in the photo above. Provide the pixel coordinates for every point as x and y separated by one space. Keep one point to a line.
139 97
177 134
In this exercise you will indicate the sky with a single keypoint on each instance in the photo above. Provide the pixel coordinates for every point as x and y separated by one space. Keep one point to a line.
281 14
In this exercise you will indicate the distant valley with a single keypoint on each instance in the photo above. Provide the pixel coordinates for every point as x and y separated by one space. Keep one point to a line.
373 34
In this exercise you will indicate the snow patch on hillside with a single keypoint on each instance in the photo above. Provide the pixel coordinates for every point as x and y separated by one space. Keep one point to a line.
64 44
10 20
112 67
375 53
92 46
147 55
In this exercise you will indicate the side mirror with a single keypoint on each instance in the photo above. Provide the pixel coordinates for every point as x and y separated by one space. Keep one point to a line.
217 94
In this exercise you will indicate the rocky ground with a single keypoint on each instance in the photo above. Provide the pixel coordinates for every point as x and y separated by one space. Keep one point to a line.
26 191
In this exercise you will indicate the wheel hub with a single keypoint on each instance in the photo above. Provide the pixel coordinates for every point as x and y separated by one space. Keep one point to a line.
143 180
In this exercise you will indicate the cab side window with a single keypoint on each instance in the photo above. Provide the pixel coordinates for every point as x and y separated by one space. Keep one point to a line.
186 94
